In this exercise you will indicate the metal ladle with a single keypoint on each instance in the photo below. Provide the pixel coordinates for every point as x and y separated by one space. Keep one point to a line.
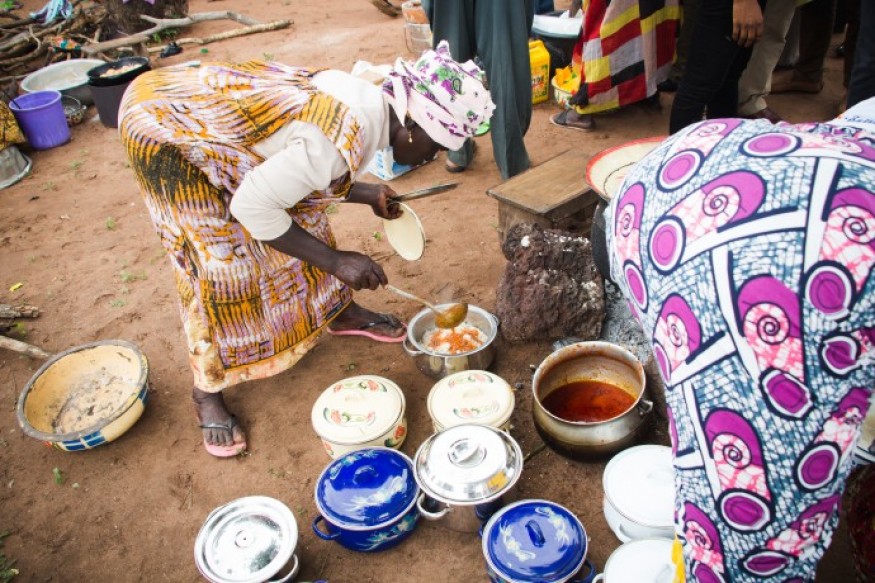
448 317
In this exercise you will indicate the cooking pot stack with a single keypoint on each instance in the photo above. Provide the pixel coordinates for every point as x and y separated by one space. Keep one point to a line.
371 496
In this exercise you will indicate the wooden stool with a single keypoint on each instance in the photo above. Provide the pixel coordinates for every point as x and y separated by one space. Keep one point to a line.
554 195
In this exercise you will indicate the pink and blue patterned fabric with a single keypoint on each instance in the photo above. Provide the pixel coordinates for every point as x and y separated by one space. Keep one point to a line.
746 250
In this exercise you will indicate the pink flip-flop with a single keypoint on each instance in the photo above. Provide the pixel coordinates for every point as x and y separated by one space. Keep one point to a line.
363 330
223 451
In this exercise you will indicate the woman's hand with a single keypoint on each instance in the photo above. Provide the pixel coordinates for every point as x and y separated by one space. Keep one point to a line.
747 22
358 271
378 196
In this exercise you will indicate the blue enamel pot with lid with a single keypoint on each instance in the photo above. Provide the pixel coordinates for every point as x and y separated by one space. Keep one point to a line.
367 499
533 541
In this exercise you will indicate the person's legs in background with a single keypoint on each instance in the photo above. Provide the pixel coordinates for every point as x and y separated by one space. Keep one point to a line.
688 24
755 81
862 82
815 33
497 33
714 63
502 37
453 21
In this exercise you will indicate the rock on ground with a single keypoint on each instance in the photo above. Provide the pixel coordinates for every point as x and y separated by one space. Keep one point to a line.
550 287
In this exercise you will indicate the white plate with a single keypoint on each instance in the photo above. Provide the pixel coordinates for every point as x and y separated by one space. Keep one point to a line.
607 169
556 27
405 234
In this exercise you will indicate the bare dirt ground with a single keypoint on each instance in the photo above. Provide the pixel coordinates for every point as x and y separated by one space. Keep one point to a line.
78 237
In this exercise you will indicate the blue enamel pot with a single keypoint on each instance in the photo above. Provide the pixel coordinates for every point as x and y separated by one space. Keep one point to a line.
536 540
367 500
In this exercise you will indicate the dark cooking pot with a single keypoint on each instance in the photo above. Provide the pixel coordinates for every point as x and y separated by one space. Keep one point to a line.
437 365
596 361
99 77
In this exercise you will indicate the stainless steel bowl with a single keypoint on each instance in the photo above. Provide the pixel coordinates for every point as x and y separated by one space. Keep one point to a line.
68 77
437 365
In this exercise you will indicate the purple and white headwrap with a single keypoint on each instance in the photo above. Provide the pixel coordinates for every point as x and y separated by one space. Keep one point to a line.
445 98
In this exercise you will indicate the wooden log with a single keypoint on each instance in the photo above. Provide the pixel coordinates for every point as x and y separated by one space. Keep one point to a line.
275 25
23 348
165 23
22 311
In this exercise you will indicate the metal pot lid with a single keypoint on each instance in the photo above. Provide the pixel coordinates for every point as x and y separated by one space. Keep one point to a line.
357 410
248 540
647 560
471 396
639 483
367 488
534 540
468 464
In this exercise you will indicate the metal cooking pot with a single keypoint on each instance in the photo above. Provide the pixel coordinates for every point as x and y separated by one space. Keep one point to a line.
438 365
598 361
248 540
466 473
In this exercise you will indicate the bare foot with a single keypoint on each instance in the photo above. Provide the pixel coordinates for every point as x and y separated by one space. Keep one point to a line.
355 317
219 426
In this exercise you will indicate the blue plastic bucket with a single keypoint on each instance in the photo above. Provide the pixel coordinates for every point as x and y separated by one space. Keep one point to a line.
41 117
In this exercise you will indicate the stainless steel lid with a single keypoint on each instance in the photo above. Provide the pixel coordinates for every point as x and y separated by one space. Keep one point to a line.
468 464
248 540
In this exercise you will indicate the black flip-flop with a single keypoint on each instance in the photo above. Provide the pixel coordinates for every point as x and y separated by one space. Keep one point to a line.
561 120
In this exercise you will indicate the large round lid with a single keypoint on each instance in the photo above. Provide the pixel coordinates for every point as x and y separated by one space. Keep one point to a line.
534 540
471 396
248 540
357 409
468 464
366 488
646 560
639 483
607 170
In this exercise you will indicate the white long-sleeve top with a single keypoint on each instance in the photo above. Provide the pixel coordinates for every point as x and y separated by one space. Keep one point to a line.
299 159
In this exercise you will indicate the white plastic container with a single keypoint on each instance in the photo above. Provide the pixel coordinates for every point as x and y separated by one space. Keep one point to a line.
358 412
639 493
471 396
645 560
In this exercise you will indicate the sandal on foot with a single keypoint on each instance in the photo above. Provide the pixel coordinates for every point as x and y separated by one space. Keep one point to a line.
224 451
363 330
455 169
561 119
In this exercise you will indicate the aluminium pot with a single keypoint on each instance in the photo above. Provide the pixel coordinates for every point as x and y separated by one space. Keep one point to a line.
437 365
466 473
367 500
248 540
595 361
532 541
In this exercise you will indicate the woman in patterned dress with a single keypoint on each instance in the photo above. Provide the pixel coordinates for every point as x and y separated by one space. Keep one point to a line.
747 252
237 164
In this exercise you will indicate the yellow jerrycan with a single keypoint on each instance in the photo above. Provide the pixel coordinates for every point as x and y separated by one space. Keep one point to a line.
540 62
